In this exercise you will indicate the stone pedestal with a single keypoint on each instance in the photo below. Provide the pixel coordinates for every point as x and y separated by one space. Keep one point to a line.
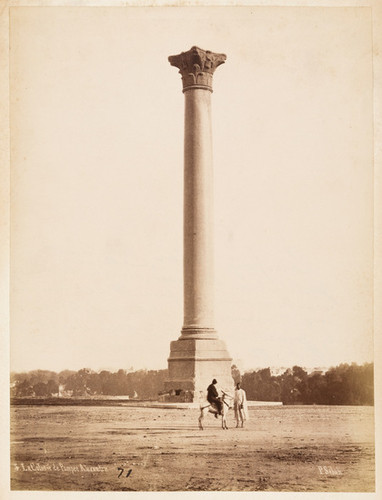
198 355
193 363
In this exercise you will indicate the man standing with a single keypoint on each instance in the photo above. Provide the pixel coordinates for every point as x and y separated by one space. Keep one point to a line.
240 405
213 396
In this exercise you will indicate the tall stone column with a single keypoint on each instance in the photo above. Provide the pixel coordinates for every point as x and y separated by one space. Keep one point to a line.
198 355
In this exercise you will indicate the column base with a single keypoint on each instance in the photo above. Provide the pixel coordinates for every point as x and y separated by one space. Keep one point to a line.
191 332
195 359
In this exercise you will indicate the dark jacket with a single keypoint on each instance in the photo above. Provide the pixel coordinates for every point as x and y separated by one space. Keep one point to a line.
212 392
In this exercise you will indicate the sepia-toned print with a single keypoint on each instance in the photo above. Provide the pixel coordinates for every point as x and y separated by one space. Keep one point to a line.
192 244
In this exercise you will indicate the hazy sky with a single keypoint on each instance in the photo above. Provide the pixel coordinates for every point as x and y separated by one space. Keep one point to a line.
97 171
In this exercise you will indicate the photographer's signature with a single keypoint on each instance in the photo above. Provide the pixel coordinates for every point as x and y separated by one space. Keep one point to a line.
329 470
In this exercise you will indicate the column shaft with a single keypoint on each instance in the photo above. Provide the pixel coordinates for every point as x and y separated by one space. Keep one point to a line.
198 214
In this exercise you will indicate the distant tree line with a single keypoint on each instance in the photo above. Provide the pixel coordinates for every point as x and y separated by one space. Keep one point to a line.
342 385
144 384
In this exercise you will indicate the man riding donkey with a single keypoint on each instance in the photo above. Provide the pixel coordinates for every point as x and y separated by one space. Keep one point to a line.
213 397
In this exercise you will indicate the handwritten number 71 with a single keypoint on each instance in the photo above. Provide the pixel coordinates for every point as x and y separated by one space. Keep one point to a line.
122 470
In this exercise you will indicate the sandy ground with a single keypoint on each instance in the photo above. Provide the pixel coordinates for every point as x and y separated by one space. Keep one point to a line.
289 448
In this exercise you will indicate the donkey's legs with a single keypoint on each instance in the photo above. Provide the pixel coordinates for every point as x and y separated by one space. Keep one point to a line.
224 421
201 419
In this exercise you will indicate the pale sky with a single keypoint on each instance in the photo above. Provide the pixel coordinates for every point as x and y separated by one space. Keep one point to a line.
97 170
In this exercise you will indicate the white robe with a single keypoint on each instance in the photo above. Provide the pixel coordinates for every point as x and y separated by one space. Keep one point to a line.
240 404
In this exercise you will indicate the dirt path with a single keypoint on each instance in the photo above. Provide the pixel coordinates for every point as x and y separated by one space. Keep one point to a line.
305 448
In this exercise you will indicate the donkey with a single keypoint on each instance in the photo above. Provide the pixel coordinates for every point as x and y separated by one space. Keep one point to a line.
208 407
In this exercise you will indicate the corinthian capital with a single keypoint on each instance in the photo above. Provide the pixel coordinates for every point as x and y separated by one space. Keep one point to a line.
197 67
